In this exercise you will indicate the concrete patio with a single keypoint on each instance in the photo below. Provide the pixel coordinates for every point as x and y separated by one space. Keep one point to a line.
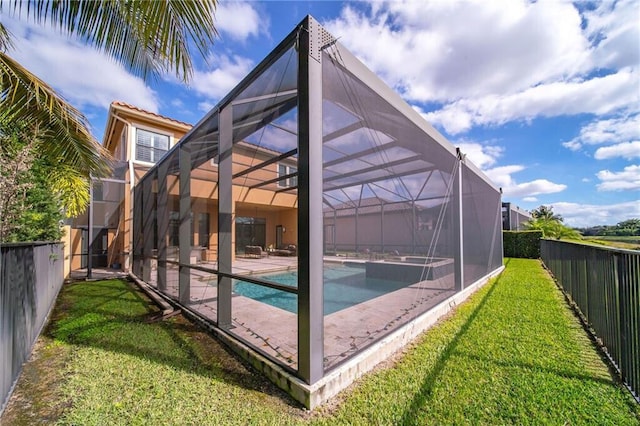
273 331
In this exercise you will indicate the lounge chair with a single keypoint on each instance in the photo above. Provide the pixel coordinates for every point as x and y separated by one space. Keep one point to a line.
287 250
254 251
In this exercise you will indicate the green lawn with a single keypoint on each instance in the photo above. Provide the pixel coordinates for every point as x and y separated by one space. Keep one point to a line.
629 243
512 354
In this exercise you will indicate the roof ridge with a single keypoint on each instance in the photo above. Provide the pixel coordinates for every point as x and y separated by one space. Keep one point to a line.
136 108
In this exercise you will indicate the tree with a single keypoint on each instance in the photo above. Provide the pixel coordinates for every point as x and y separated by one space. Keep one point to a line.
148 37
543 219
29 209
544 212
628 227
551 228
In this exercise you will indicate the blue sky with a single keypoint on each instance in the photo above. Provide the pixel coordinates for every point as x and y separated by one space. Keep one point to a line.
544 97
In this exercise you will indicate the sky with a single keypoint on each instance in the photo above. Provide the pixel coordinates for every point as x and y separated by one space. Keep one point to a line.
544 97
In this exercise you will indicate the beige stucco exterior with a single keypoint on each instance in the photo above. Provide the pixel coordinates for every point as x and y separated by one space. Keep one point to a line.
123 122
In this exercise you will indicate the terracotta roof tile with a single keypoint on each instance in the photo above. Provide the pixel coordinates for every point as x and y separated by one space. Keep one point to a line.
135 108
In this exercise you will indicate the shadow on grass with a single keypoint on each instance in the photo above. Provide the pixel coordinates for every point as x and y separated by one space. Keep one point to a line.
425 392
110 315
538 368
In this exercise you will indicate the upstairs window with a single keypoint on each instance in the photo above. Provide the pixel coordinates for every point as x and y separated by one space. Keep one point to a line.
284 170
98 191
150 146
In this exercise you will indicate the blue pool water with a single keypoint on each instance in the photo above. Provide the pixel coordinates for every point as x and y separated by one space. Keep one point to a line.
344 286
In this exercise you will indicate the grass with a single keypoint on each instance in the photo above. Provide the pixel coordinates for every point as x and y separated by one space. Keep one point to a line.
512 354
114 368
623 242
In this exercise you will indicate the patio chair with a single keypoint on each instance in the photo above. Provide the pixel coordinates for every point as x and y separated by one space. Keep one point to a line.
255 251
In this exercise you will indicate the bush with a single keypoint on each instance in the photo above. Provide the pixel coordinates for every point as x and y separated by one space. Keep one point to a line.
522 244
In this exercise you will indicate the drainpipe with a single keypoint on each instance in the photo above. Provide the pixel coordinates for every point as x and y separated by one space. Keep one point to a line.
90 232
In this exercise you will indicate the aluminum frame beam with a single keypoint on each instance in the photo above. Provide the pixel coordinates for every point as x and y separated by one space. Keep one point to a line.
310 220
458 225
163 225
184 233
266 163
225 216
147 226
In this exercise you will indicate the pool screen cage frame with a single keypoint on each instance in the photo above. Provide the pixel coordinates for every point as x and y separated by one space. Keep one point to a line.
356 151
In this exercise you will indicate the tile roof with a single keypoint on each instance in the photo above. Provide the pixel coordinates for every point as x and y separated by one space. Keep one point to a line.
144 111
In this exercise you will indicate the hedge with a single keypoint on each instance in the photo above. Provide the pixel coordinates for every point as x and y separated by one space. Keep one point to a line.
522 244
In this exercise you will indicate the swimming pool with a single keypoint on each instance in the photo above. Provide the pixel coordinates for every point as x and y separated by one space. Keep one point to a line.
344 286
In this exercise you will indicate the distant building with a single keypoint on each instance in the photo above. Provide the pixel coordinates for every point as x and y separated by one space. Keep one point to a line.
513 217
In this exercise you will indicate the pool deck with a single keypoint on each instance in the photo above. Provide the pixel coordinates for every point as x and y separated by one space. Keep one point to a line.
274 331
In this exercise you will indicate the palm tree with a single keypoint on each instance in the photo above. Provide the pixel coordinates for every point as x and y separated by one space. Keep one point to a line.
148 37
544 219
544 212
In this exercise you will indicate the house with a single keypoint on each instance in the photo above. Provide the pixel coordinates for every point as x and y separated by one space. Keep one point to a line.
137 139
513 217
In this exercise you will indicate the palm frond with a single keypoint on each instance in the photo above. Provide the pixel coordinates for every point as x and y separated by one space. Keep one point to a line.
66 136
5 39
148 37
71 188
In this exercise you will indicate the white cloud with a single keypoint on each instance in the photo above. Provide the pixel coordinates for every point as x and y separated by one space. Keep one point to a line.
227 74
530 199
572 145
628 150
612 130
501 176
485 156
614 25
601 95
205 106
84 76
583 215
438 51
494 62
240 20
535 187
627 179
481 155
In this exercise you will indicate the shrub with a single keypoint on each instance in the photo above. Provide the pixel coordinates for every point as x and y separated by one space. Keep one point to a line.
522 244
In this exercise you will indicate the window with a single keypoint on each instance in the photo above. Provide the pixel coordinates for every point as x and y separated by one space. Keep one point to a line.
150 146
284 170
98 194
203 230
250 231
174 228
